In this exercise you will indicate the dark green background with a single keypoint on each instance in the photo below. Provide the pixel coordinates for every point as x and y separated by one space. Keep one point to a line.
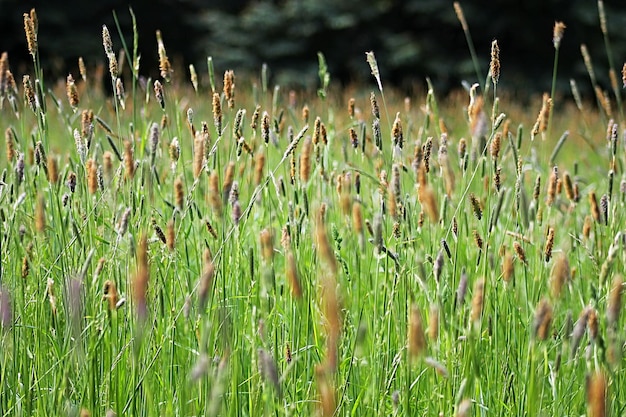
412 39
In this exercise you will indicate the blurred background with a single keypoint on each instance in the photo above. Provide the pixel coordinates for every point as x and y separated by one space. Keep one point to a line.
412 39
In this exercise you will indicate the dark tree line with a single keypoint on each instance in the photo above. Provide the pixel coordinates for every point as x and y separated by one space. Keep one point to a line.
412 39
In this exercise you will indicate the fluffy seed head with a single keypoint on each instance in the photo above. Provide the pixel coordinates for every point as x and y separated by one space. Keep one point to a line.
560 275
615 301
72 92
596 395
30 28
158 93
129 160
543 320
416 337
495 62
549 244
477 301
557 34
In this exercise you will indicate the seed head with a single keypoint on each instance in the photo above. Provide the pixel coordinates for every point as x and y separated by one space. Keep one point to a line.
495 62
158 93
72 92
478 301
519 251
557 34
596 394
179 194
291 272
229 88
416 336
217 113
478 212
30 28
164 63
549 244
543 320
560 275
129 160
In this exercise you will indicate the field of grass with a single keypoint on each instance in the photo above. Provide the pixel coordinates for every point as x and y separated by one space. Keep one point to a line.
236 249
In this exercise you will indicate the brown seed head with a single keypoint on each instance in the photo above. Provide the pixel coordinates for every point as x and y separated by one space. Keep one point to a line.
477 239
595 210
82 69
374 105
40 214
10 144
519 251
291 272
92 178
596 395
29 93
478 212
129 160
305 160
416 337
72 92
508 269
179 194
198 155
217 113
495 146
477 301
592 323
305 114
433 323
614 302
110 294
557 34
170 237
164 63
31 33
323 243
459 14
158 93
495 62
396 132
552 186
351 104
140 280
560 275
53 169
229 88
267 245
549 244
543 320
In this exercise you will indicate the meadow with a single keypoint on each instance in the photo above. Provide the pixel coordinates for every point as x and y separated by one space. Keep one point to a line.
194 245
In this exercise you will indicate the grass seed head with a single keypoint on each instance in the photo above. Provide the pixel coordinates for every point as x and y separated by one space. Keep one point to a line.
229 88
129 160
159 94
549 244
92 175
560 275
478 302
164 63
557 34
494 66
111 295
179 194
543 320
291 272
596 395
416 336
140 279
217 113
30 28
614 302
72 92
595 210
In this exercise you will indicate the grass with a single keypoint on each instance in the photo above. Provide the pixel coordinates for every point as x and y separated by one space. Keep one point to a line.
290 267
